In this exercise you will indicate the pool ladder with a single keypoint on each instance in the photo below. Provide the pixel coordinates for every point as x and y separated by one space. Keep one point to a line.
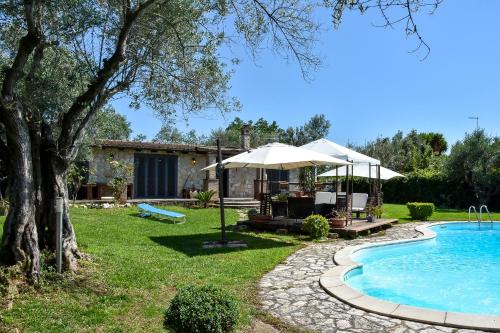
479 218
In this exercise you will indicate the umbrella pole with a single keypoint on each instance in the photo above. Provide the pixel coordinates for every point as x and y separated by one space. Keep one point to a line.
379 187
220 170
261 182
370 178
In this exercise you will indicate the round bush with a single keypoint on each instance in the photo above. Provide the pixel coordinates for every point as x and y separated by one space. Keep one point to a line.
316 226
420 210
202 309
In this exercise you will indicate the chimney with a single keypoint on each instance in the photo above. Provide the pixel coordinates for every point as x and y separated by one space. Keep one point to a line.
245 136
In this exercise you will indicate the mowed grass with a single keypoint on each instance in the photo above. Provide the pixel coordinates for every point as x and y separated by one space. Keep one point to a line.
400 212
135 268
137 264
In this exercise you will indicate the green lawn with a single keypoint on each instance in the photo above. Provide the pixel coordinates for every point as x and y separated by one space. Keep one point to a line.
137 264
441 214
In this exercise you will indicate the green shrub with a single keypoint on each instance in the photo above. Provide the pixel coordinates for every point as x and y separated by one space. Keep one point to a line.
202 309
204 197
420 210
316 226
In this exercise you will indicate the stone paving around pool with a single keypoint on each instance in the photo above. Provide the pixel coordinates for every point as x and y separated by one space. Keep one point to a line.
291 292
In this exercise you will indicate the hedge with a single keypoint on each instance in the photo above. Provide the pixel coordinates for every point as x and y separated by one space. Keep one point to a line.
427 186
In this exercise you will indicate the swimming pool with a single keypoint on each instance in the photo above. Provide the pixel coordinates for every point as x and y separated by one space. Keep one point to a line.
457 271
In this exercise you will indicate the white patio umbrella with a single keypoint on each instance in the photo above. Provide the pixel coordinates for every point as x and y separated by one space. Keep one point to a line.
278 156
363 170
335 150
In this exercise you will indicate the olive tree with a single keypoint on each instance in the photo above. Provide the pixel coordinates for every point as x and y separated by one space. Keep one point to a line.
62 61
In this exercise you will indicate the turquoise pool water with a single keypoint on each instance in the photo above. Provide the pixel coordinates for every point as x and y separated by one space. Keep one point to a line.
458 271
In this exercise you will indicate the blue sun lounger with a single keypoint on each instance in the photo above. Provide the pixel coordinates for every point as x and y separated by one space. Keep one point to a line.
148 210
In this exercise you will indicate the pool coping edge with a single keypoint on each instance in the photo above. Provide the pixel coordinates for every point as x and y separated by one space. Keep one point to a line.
333 282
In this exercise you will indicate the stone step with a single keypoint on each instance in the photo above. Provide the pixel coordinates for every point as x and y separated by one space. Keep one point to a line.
239 199
238 205
241 202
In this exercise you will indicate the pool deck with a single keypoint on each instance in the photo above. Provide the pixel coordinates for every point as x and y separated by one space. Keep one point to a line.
292 293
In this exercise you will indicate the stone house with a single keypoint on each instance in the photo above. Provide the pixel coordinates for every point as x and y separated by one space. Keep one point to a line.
162 171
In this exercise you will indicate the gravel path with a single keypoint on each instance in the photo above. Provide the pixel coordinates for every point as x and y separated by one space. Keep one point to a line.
292 292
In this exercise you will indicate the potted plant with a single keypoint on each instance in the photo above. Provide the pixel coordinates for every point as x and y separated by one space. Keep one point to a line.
374 213
279 205
339 219
369 215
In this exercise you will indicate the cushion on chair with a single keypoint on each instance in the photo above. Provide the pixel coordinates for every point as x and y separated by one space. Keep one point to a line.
323 198
359 201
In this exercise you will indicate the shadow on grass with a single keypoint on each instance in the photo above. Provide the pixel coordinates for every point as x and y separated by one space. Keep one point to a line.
191 245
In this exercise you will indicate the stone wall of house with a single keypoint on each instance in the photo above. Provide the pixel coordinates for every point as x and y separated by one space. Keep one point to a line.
189 174
241 182
100 172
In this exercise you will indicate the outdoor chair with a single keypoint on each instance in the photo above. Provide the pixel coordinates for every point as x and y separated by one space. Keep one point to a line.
359 201
148 210
300 208
324 203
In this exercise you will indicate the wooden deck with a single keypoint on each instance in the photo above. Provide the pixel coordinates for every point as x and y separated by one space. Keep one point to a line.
361 226
295 225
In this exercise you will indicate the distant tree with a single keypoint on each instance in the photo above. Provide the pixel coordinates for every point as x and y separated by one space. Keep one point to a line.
139 137
110 125
261 132
227 138
436 141
315 128
107 125
401 153
474 163
170 134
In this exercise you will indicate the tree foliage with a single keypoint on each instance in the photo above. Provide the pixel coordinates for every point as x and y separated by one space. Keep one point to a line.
170 134
474 163
436 141
263 131
62 61
403 153
106 125
315 128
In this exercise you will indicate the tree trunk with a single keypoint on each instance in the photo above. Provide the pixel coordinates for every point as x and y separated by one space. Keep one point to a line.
54 185
20 238
37 177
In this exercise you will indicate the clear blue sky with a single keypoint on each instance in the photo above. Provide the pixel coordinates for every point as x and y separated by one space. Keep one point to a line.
370 85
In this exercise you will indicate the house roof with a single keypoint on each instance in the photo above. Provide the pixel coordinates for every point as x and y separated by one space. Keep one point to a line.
174 147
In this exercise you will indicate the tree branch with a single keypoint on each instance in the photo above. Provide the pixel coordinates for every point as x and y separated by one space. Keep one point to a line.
26 46
95 89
